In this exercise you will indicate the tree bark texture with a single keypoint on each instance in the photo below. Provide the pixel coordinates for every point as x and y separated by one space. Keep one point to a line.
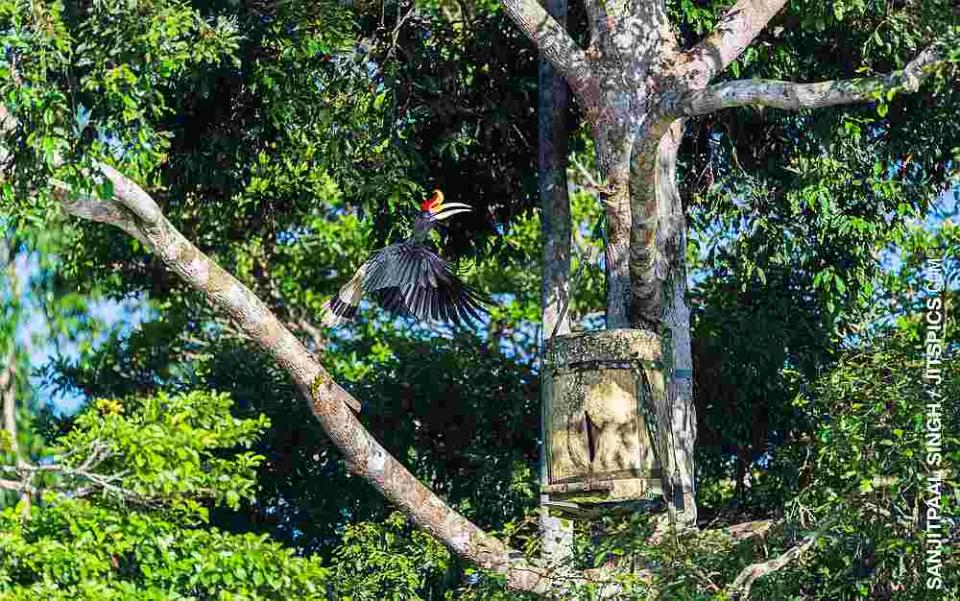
675 327
554 196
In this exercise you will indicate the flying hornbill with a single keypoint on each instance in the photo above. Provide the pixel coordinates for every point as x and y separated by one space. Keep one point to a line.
408 278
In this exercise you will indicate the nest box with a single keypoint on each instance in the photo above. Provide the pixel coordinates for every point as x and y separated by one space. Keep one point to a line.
598 416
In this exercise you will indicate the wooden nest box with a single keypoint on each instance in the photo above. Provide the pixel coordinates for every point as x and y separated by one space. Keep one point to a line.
598 416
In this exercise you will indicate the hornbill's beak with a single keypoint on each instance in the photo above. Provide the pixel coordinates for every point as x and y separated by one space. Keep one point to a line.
450 209
443 210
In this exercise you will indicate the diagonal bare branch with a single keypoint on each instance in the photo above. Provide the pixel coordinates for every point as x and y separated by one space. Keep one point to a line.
735 31
133 209
740 587
796 96
555 44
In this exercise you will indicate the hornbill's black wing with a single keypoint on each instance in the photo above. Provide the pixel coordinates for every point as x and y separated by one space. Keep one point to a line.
408 279
430 288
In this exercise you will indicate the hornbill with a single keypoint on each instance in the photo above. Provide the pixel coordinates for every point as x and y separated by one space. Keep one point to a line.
408 278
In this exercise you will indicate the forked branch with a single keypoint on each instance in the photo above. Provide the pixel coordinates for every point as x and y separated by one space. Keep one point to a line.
739 589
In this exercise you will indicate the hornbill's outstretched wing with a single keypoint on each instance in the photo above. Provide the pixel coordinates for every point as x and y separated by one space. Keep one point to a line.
408 279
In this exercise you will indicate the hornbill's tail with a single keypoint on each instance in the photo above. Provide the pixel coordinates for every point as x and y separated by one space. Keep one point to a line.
344 304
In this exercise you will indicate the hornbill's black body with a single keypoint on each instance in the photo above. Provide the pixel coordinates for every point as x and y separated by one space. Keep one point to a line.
408 278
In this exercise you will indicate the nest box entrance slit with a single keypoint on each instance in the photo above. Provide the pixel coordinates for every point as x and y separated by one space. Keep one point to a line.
598 416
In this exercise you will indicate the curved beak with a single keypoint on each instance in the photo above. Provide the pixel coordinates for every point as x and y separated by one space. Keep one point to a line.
449 209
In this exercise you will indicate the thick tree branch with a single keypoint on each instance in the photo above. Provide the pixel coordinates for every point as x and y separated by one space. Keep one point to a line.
132 208
96 210
796 96
733 33
555 44
16 486
748 530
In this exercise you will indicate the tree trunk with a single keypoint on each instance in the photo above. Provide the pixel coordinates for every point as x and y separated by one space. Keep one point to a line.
613 160
554 197
675 321
556 534
658 302
8 396
633 81
8 370
646 279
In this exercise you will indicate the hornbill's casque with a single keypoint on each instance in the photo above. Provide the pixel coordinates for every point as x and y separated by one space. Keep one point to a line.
408 278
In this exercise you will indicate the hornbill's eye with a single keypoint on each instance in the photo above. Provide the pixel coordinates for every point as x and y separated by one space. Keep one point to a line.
433 202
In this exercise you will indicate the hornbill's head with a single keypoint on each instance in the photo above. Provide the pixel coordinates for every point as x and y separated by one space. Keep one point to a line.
434 209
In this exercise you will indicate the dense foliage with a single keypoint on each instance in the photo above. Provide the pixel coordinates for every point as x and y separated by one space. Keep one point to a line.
288 138
123 511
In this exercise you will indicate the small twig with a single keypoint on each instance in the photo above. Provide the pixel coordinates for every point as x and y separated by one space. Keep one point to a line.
316 336
585 173
395 34
705 578
102 482
95 458
14 68
602 190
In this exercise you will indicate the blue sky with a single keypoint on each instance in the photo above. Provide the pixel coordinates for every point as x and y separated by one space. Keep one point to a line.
33 334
